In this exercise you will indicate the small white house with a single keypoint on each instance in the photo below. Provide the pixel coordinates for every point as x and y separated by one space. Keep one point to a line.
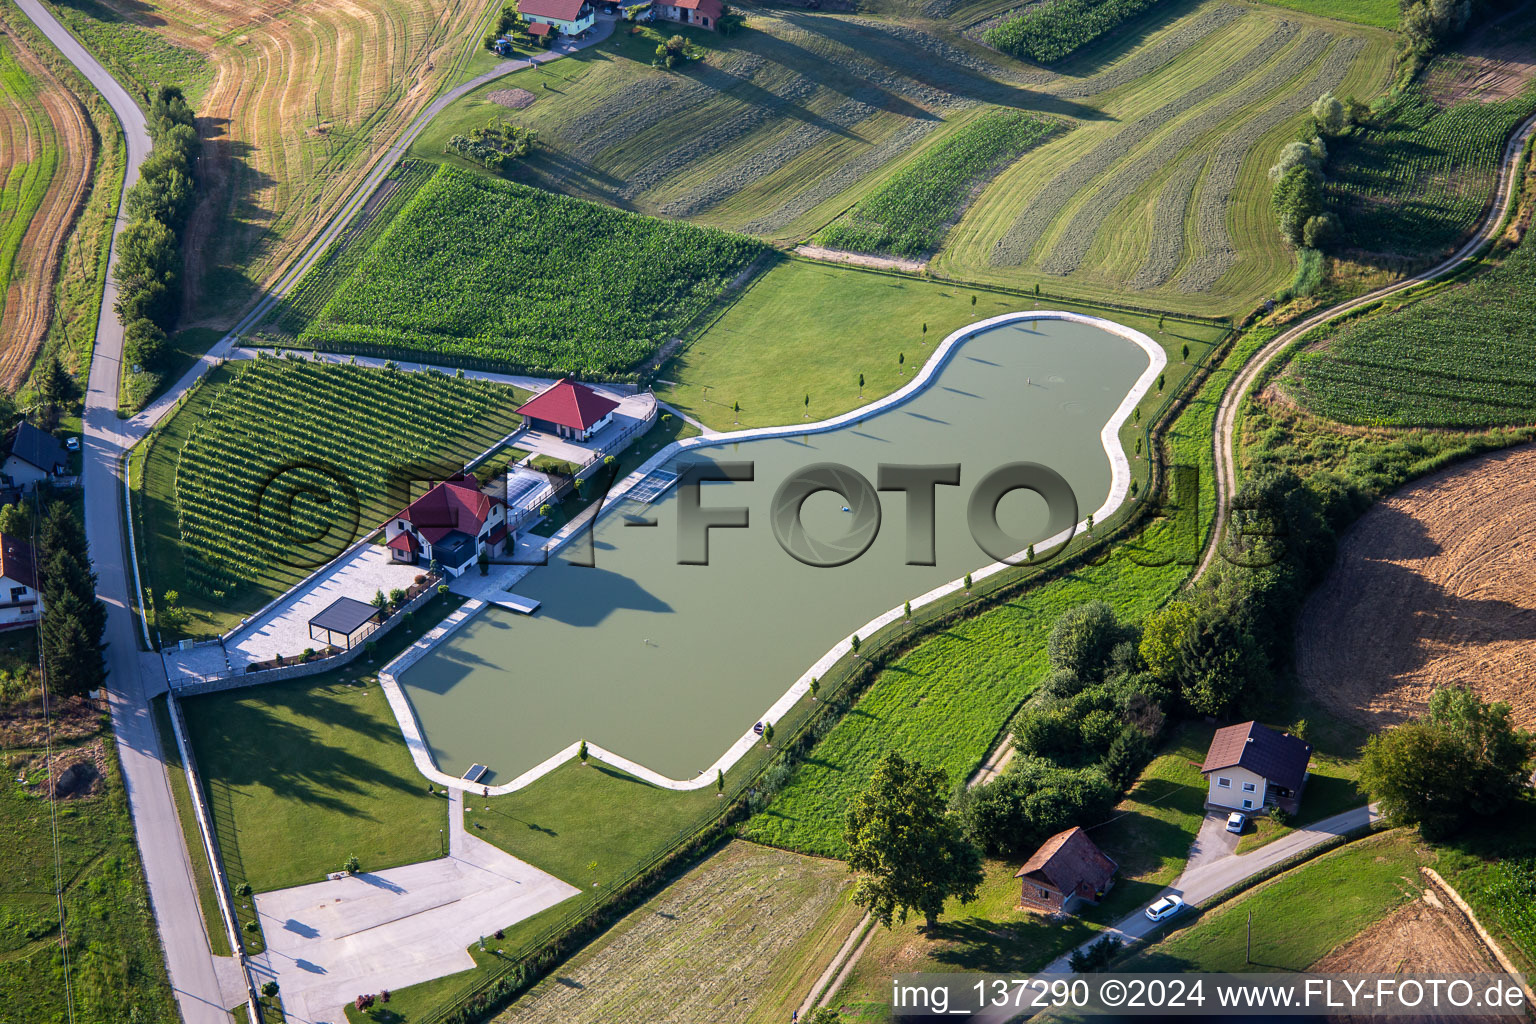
32 455
20 601
1250 767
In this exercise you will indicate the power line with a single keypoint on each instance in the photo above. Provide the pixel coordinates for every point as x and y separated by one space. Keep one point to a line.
53 811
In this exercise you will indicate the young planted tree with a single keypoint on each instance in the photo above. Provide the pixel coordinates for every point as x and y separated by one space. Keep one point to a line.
815 686
581 752
906 847
767 734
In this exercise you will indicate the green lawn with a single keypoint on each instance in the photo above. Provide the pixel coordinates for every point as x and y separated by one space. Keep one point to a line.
805 328
1380 13
1148 835
116 971
1299 917
137 390
946 700
302 775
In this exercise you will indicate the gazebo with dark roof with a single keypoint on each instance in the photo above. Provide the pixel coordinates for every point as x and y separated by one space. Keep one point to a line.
346 619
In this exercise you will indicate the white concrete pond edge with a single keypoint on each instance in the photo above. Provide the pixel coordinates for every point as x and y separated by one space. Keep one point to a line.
1119 491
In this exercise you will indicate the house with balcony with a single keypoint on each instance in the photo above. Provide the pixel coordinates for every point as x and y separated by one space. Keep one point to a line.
566 17
451 524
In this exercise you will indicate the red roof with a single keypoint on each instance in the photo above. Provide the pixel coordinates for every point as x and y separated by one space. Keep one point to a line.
560 10
539 28
403 541
570 405
456 504
498 534
712 8
16 561
1070 862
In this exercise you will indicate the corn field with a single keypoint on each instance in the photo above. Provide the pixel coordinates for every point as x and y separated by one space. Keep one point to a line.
1458 359
910 214
527 280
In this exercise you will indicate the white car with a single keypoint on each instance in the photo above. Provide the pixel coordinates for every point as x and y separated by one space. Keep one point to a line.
1165 908
1236 822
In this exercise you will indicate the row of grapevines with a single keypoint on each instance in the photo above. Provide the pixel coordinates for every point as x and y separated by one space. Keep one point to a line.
1050 31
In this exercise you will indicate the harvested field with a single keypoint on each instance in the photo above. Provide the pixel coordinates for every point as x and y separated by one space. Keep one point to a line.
1430 587
300 100
48 154
1489 67
741 937
515 99
1426 936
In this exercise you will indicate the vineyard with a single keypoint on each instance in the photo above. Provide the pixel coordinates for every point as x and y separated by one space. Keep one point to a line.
909 214
279 464
297 98
1049 31
482 270
1461 358
1410 187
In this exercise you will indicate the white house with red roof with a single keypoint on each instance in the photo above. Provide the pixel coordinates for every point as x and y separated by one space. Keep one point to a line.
571 17
450 524
570 410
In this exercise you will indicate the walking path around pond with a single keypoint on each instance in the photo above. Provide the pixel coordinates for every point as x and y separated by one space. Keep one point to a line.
330 941
1119 491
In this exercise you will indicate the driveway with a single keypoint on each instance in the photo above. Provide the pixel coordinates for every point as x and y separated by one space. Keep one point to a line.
331 941
1212 842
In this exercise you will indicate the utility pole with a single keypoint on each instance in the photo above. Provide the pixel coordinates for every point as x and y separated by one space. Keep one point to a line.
1248 952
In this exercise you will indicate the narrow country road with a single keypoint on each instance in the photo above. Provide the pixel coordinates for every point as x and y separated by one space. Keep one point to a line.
205 985
167 866
1508 193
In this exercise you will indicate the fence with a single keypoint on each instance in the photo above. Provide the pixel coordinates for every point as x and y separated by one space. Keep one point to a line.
315 666
211 849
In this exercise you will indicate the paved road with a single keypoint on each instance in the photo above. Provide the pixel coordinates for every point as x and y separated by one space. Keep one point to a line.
194 972
1232 400
167 866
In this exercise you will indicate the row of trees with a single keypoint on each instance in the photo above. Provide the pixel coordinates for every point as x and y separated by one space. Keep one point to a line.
1297 196
73 619
149 255
1425 25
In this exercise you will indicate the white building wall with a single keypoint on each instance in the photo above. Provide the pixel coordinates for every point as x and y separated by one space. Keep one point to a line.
1234 794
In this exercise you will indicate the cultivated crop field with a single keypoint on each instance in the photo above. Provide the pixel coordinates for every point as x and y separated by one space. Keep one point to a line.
909 214
514 277
48 154
297 100
1460 358
276 465
708 947
1163 192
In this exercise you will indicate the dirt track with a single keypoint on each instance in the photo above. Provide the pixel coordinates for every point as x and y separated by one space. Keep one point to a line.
1432 586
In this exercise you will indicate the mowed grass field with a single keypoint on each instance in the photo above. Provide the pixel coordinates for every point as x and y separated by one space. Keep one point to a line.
294 102
806 328
48 155
1152 189
1162 194
723 942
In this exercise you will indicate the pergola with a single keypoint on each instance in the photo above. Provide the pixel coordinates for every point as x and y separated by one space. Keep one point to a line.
346 619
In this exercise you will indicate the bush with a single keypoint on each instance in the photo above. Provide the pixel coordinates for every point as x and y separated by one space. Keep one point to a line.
353 865
269 989
1096 957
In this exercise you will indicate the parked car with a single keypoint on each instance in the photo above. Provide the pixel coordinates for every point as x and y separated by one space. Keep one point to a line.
1236 822
1165 908
73 444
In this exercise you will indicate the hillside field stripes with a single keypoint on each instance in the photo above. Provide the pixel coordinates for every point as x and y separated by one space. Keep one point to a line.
1027 235
1458 359
909 213
292 458
482 268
